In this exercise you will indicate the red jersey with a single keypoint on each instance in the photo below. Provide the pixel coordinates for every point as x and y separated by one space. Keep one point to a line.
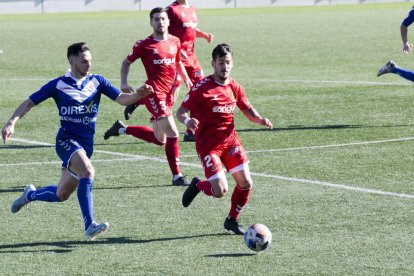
213 105
159 58
183 22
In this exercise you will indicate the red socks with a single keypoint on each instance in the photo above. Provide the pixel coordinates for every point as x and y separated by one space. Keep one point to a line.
171 146
171 151
144 133
239 199
205 187
140 101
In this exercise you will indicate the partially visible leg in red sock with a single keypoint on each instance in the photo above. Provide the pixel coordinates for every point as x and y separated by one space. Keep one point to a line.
140 101
172 153
239 199
205 187
144 133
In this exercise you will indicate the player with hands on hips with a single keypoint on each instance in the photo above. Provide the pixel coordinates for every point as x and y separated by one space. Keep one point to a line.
212 102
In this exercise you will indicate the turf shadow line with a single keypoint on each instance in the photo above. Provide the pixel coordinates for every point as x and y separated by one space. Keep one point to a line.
138 142
231 255
69 246
6 147
134 187
12 190
57 251
21 188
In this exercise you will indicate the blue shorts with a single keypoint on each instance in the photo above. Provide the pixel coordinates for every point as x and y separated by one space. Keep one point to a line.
66 146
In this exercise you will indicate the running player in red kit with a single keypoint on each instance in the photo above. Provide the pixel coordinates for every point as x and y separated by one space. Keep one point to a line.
212 102
160 55
183 24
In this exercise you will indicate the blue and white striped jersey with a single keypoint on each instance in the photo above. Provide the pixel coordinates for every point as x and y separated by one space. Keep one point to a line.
409 19
77 102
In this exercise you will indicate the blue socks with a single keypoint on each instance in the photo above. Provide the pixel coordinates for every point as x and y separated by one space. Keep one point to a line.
44 194
48 194
85 200
408 75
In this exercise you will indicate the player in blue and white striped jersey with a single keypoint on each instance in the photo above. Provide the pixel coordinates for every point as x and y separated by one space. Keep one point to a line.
77 96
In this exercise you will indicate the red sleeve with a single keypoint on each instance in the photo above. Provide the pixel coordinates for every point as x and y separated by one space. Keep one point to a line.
178 55
136 51
190 100
171 15
242 101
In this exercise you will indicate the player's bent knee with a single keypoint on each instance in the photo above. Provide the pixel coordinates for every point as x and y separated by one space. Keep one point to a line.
88 172
221 192
245 185
219 195
161 143
62 196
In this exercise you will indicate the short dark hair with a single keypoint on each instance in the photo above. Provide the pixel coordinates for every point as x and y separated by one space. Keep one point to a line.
77 48
221 50
156 10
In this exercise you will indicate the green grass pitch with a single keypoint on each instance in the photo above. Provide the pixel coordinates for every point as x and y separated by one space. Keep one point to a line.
333 180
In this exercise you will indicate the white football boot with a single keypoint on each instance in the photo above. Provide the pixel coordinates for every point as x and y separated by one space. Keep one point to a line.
22 200
95 230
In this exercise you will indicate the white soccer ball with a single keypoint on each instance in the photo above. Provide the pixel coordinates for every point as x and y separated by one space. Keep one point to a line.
258 237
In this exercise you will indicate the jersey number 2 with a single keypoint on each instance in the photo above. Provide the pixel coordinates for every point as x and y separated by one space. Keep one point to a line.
208 160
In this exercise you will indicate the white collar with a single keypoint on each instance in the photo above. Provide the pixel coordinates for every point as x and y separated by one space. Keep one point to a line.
68 74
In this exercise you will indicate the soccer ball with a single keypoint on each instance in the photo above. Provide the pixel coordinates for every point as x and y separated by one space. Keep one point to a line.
258 237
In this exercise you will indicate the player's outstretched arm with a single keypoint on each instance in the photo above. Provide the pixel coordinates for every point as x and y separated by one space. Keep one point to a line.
255 117
8 129
131 98
207 36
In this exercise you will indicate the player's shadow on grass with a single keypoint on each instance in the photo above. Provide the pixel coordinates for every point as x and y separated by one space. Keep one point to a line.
3 147
19 189
12 190
323 127
69 246
168 184
115 143
231 255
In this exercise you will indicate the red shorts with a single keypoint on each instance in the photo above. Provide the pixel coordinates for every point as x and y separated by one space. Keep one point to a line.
231 155
193 69
159 104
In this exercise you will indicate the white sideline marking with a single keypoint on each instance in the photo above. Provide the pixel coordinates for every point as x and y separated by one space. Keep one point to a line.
336 186
323 146
59 162
337 145
262 80
30 163
331 82
132 156
279 177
